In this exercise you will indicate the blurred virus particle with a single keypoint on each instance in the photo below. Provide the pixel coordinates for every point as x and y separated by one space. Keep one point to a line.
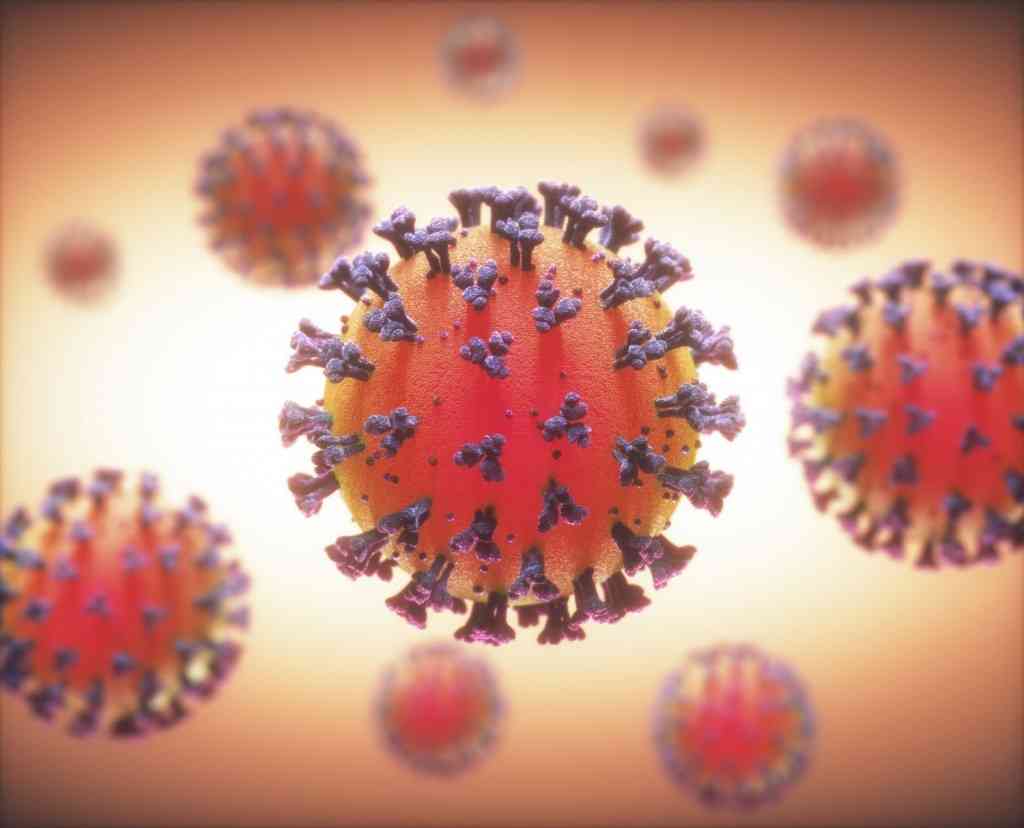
839 183
81 262
670 139
480 57
910 425
113 611
439 709
514 413
733 726
284 194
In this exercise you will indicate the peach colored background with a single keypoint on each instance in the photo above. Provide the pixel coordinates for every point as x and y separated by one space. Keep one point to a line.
916 678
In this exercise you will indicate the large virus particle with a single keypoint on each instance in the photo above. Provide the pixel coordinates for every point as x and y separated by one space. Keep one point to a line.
514 413
283 195
670 139
838 183
910 424
113 611
439 709
480 57
733 726
81 262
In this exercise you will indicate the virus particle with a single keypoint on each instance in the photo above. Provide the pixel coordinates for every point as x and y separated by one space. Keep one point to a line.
733 726
910 424
438 709
514 413
839 183
670 140
480 57
283 195
113 611
80 262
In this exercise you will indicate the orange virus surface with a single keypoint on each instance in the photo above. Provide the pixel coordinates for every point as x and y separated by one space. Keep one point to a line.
480 57
512 412
113 611
910 423
81 262
670 139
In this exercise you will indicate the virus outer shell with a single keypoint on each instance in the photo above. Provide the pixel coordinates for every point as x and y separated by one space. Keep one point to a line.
81 262
733 726
439 709
670 139
910 426
508 455
839 183
285 194
480 57
106 605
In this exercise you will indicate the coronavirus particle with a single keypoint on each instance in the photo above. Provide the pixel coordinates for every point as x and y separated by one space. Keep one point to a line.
838 183
439 709
513 412
670 139
910 423
480 57
733 726
283 195
112 611
81 262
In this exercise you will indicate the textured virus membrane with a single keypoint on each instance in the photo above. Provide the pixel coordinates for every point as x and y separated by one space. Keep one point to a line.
80 262
670 139
480 57
116 611
910 425
515 413
839 183
283 196
439 709
733 726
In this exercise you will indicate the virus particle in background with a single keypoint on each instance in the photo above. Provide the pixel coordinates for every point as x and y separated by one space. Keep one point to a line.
910 424
439 709
284 195
839 183
514 413
480 57
733 726
670 140
81 262
113 611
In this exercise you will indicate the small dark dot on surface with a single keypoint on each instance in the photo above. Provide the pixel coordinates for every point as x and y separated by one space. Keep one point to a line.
696 444
364 497
556 454
577 291
614 510
662 371
508 412
670 432
562 375
443 334
477 588
344 319
483 567
510 537
370 461
366 302
450 517
645 430
457 324
534 412
684 450
656 303
503 280
664 447
432 461
437 400
636 521
422 556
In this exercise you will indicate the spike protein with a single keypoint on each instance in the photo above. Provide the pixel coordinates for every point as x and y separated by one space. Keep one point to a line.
514 414
480 57
81 262
733 726
670 140
112 611
283 195
839 183
910 425
439 710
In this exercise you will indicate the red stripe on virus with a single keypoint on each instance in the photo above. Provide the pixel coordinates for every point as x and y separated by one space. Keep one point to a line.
81 262
670 140
112 611
910 424
480 57
514 414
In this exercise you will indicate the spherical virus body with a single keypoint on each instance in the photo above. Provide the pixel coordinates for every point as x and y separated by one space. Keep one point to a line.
733 726
284 194
514 412
439 709
480 57
81 262
112 611
839 183
670 139
910 424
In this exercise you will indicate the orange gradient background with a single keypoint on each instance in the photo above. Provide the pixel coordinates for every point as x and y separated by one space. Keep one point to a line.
916 678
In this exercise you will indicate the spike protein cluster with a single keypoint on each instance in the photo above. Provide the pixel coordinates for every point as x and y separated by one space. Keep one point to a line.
911 424
284 194
112 613
81 262
733 726
439 710
514 413
670 139
480 57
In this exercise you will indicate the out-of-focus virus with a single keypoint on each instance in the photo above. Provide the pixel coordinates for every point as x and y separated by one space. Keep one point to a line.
480 57
515 412
910 425
733 726
284 194
81 262
113 611
839 183
670 139
439 709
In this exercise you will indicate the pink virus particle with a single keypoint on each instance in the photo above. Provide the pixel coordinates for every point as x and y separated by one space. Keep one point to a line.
480 57
283 195
839 183
439 709
910 421
81 262
733 726
670 139
114 611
